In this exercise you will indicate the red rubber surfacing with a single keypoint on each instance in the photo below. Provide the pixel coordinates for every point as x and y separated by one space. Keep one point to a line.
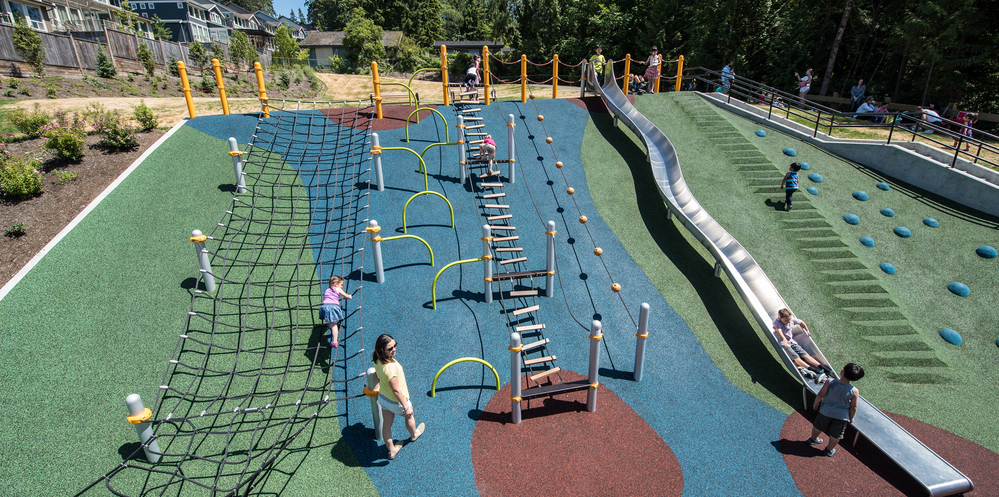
393 116
561 449
864 470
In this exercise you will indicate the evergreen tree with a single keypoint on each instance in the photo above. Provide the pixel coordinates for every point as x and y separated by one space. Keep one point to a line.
301 18
146 57
105 68
160 29
196 53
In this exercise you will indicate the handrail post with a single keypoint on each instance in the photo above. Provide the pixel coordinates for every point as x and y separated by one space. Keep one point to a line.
376 248
550 261
485 71
627 72
462 154
376 152
555 76
378 91
679 75
523 78
515 348
444 73
512 148
891 130
817 119
957 150
487 262
595 337
643 335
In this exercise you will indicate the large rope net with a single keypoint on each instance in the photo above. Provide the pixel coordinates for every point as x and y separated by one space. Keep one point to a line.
253 368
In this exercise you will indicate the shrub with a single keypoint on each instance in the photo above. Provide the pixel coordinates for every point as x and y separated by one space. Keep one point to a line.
20 176
285 80
13 83
196 53
115 132
338 64
145 116
207 85
24 91
131 78
29 123
66 145
105 68
51 93
15 230
67 176
28 44
94 112
298 76
146 57
9 93
172 65
314 82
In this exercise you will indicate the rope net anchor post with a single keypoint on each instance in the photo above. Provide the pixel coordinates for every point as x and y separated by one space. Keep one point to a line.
550 275
523 78
487 262
378 89
237 165
371 392
199 238
643 335
595 337
376 248
376 154
139 416
555 77
582 78
221 85
182 69
512 148
261 89
515 347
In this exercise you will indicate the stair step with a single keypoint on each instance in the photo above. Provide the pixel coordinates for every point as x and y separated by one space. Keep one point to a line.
506 238
539 360
501 216
511 261
496 206
538 376
525 310
493 195
530 327
528 346
509 249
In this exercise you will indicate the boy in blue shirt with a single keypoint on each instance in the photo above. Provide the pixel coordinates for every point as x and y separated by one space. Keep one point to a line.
837 404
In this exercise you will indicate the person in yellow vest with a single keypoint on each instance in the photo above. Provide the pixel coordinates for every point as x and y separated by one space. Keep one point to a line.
393 394
598 62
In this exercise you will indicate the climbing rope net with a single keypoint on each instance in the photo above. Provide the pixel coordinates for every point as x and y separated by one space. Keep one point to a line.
253 368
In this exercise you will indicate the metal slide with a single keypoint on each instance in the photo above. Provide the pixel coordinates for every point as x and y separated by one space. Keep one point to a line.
762 298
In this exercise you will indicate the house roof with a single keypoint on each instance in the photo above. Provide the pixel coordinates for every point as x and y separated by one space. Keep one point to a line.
335 39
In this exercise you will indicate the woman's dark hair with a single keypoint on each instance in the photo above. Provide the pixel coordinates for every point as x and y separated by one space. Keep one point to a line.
381 354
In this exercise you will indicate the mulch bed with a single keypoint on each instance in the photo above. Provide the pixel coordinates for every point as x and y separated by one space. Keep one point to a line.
46 214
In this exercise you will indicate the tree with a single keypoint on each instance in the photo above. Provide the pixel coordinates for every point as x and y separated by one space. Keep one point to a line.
835 47
217 51
240 49
105 68
287 47
146 57
160 29
196 52
363 40
266 6
301 18
28 44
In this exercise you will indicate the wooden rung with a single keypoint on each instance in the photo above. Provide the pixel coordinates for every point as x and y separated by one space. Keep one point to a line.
502 228
493 195
530 327
509 249
511 261
475 126
491 185
528 346
476 134
501 216
525 310
473 119
489 173
475 142
477 109
538 376
495 206
473 92
539 360
523 293
505 239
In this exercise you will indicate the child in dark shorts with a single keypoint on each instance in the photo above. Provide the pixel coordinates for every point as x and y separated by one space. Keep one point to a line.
837 404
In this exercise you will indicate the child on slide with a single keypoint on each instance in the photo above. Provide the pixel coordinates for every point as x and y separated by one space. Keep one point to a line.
784 331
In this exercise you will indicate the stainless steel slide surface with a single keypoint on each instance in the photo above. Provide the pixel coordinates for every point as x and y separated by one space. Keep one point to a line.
762 298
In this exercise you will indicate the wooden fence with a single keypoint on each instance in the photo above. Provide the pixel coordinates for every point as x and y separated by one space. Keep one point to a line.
77 52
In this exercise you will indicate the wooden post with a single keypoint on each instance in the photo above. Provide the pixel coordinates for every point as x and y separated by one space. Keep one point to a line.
72 43
183 55
107 37
163 51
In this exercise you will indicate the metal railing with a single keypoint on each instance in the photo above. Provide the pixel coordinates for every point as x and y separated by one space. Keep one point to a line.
822 118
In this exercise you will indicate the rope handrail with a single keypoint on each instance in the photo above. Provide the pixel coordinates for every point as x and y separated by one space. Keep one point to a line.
529 80
542 64
493 56
571 65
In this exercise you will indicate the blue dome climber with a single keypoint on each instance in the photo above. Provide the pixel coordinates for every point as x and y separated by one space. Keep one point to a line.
888 268
815 177
884 186
887 212
867 241
761 133
851 219
902 231
952 337
804 165
790 152
932 223
860 195
959 289
812 190
986 252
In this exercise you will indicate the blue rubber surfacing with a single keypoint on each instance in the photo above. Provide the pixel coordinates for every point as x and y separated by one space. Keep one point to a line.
700 404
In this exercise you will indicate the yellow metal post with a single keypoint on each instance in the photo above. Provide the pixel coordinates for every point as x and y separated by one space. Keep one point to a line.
261 89
218 79
523 79
485 71
444 73
378 91
679 75
627 72
187 88
555 76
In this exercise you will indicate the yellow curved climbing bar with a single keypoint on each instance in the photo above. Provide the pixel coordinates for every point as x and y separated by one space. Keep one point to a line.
423 165
406 206
436 145
418 71
433 289
447 132
416 237
433 386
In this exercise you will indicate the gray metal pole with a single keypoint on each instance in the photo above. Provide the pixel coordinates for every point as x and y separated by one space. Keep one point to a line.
643 334
462 151
513 146
595 337
515 345
206 266
718 270
376 152
487 262
145 430
237 165
582 79
376 248
371 378
550 276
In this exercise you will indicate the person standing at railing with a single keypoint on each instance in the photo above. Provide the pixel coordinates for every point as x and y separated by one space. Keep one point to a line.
804 83
598 62
857 95
728 73
655 61
970 119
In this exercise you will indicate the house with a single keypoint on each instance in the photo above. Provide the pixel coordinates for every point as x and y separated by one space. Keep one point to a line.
325 44
298 31
472 47
188 20
70 15
260 32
